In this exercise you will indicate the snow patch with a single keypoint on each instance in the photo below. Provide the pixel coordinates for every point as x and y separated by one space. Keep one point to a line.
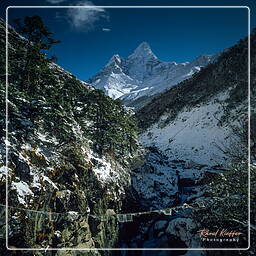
102 168
3 172
23 190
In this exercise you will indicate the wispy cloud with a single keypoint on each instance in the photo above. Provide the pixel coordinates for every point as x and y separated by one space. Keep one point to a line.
106 29
55 1
85 18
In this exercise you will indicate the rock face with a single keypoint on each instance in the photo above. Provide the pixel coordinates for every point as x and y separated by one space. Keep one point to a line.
184 228
161 183
65 182
142 74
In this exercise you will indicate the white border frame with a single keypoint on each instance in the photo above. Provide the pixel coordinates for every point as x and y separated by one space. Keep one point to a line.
129 249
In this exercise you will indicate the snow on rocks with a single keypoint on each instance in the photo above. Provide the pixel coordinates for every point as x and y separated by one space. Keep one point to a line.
102 168
3 172
23 191
161 183
155 182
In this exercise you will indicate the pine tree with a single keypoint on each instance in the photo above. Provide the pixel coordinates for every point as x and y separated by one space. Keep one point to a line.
38 42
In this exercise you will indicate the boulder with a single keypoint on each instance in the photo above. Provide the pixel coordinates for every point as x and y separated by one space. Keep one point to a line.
22 169
185 230
160 225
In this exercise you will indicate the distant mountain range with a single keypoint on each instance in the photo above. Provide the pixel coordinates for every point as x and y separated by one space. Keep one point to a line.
143 74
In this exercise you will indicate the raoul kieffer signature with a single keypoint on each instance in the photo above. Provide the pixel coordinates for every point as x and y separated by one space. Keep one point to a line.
225 233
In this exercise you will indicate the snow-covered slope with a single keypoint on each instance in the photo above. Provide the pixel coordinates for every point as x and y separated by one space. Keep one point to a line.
143 74
195 134
198 119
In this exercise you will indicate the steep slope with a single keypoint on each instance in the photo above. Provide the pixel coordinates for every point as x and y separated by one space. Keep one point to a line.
143 74
69 151
196 119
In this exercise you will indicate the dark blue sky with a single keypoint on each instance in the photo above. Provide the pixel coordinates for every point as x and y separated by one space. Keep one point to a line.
90 38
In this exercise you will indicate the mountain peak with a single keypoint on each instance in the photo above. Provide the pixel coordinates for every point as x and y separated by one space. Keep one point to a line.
115 59
144 45
143 74
142 51
204 59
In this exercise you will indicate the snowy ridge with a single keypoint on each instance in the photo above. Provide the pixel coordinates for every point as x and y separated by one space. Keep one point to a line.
143 74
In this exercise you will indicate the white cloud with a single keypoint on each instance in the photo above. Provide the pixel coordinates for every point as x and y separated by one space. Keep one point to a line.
85 18
55 1
106 29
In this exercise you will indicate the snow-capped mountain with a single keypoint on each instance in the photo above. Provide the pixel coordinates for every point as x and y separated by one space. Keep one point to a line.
143 74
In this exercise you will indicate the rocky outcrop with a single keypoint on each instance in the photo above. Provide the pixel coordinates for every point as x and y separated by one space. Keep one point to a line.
161 183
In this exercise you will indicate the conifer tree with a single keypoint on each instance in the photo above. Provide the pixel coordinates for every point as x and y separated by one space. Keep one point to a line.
39 40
